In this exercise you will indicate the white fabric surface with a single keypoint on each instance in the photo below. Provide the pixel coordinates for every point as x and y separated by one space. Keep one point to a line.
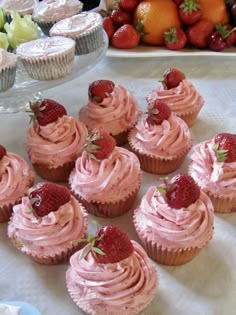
207 284
9 309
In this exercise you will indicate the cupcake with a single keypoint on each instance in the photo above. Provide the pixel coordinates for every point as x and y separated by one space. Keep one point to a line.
15 179
106 179
48 12
8 63
161 140
179 94
121 281
47 224
85 28
111 107
47 58
54 140
213 166
174 221
23 7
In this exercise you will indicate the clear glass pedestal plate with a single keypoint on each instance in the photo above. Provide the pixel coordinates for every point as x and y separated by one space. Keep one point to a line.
25 89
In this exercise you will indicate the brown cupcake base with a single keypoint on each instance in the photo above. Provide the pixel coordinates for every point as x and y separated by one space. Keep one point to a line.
59 174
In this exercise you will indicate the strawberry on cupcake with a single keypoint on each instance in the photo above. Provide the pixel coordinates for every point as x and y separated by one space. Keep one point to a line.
111 275
112 107
15 179
161 140
106 178
46 223
54 140
175 220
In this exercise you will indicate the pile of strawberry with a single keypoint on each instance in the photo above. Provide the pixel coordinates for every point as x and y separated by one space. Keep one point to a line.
195 31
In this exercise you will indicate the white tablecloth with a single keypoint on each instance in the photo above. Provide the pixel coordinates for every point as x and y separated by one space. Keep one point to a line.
204 286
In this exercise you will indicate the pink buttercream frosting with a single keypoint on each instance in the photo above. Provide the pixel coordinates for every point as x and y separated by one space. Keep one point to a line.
125 287
211 175
23 7
174 228
51 234
57 143
110 179
117 112
168 139
55 10
15 178
182 99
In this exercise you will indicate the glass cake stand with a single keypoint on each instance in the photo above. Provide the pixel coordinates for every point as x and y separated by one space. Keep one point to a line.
25 89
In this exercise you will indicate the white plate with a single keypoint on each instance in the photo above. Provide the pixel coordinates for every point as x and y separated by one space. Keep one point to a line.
146 52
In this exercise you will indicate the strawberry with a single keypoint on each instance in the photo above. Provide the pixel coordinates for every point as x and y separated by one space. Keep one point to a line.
100 89
3 151
175 38
47 111
47 197
119 17
199 33
223 37
126 37
172 78
225 147
178 2
181 191
128 5
99 144
108 26
158 112
111 245
190 12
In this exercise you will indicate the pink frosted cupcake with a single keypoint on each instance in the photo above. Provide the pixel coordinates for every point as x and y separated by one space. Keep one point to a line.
47 223
111 107
106 179
175 221
15 179
47 12
161 140
213 166
54 141
122 281
179 94
23 7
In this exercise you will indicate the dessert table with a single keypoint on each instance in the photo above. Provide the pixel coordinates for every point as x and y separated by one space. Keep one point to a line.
207 284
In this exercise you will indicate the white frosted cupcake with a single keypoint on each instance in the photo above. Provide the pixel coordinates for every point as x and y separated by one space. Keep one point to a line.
8 63
47 58
85 28
23 7
48 12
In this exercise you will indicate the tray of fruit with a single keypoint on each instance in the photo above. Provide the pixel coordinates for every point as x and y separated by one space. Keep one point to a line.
151 28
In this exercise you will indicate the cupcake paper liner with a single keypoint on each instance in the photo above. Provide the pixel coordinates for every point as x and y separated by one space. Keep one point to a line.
57 174
49 68
191 117
89 42
159 165
7 78
169 256
6 211
109 209
44 26
221 203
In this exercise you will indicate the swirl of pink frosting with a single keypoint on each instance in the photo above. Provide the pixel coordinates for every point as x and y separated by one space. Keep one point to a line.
50 234
117 112
125 287
110 179
182 99
57 143
167 139
217 177
15 178
174 228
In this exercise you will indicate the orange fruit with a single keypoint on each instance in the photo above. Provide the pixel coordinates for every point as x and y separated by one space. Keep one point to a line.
156 16
214 11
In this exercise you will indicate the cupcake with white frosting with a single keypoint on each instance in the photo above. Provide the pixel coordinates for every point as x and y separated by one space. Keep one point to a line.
8 64
47 58
85 28
23 7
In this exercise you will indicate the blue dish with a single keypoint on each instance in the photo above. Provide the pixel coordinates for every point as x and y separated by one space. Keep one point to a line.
26 309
